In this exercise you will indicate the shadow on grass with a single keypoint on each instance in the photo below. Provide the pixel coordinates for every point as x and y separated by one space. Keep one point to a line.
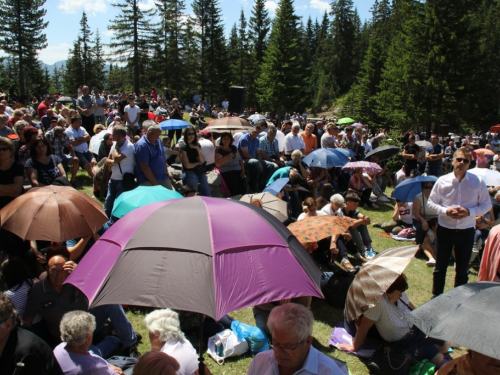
325 313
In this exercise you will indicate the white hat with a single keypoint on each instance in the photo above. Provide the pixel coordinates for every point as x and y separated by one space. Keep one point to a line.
381 135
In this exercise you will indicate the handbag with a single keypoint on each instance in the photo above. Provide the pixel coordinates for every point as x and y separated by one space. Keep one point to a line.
390 360
128 180
199 169
226 344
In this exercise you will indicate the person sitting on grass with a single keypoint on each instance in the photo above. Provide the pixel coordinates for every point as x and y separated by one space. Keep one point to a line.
72 354
358 228
360 184
401 218
472 363
429 244
388 317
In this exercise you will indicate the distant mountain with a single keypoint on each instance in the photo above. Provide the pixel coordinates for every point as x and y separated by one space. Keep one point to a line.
51 67
58 64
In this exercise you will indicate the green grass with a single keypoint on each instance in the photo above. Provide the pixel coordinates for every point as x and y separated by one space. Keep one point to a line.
326 317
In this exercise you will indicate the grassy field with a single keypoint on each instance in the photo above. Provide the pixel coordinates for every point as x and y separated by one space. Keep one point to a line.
326 317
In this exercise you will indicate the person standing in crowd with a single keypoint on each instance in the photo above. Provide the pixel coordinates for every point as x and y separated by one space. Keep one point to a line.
434 157
175 114
458 197
144 107
410 153
131 115
86 106
100 105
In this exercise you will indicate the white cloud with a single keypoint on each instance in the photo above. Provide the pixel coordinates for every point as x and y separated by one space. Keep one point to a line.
301 7
147 5
271 6
54 53
91 7
322 6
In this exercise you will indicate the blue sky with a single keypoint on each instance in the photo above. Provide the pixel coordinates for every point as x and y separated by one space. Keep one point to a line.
64 17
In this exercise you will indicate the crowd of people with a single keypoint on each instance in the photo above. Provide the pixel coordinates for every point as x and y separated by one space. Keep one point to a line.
117 141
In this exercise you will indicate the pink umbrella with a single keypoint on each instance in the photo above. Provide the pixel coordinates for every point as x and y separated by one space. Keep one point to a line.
214 256
357 125
367 166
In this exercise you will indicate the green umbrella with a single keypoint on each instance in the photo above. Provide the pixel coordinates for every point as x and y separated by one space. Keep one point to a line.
141 196
345 120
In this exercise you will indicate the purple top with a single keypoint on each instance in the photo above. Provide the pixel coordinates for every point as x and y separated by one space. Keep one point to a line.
79 364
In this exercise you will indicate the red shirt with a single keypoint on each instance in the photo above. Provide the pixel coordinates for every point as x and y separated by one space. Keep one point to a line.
42 109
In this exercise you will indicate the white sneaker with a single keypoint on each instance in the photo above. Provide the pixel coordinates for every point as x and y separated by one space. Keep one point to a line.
475 249
383 198
431 263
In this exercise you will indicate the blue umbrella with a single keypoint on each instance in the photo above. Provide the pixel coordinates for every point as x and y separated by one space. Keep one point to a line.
323 158
409 189
173 124
276 186
346 151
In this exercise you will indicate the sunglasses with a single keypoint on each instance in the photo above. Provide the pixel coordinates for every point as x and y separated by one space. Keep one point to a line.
4 149
462 160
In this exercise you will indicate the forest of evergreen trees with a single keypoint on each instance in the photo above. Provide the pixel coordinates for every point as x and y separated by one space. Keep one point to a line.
414 64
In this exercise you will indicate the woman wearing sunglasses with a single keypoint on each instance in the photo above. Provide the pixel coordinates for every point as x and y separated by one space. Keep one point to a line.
193 162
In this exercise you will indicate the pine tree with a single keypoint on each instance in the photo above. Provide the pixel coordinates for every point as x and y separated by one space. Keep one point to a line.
56 80
86 50
98 63
21 35
134 33
73 76
282 75
259 26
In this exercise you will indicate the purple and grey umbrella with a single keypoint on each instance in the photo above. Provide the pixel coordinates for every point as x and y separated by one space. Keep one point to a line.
206 255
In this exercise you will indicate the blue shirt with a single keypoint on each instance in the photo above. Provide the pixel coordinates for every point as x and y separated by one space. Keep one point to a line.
252 145
435 150
145 152
280 173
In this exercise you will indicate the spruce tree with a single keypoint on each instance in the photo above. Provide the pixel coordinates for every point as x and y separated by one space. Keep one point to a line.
86 50
282 75
134 33
21 34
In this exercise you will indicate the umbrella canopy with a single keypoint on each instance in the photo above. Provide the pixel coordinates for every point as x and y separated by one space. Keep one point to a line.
326 158
366 165
313 229
383 152
485 151
66 99
345 120
141 196
407 190
226 124
173 124
424 144
276 186
96 140
357 125
375 277
257 116
346 151
272 204
495 128
52 213
465 315
489 176
214 257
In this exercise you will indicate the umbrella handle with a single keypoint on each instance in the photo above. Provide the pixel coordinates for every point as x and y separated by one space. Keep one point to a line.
201 364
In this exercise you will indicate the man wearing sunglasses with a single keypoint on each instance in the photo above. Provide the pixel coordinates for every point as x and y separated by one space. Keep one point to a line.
458 197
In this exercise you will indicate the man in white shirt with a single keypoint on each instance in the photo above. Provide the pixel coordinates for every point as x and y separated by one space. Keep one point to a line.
291 327
79 138
207 149
459 197
122 160
293 141
132 112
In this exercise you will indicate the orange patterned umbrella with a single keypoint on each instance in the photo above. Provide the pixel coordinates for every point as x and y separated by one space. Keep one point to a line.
315 228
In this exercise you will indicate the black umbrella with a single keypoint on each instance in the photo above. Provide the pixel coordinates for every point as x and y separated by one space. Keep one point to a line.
383 152
65 99
466 315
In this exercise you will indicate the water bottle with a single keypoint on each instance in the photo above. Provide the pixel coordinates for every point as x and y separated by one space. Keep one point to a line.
219 349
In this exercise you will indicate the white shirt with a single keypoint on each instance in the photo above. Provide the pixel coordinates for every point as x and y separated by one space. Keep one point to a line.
495 145
328 210
294 142
367 145
208 150
470 193
280 136
127 164
132 114
184 353
74 134
303 214
316 363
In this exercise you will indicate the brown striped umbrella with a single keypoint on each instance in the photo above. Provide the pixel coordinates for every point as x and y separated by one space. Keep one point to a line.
315 228
375 277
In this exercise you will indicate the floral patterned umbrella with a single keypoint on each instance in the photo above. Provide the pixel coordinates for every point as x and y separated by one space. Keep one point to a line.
315 228
366 165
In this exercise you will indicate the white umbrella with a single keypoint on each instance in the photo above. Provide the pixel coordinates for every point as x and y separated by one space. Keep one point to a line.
257 116
95 141
490 177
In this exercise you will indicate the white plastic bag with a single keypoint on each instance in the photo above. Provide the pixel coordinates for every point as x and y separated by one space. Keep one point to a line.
232 346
